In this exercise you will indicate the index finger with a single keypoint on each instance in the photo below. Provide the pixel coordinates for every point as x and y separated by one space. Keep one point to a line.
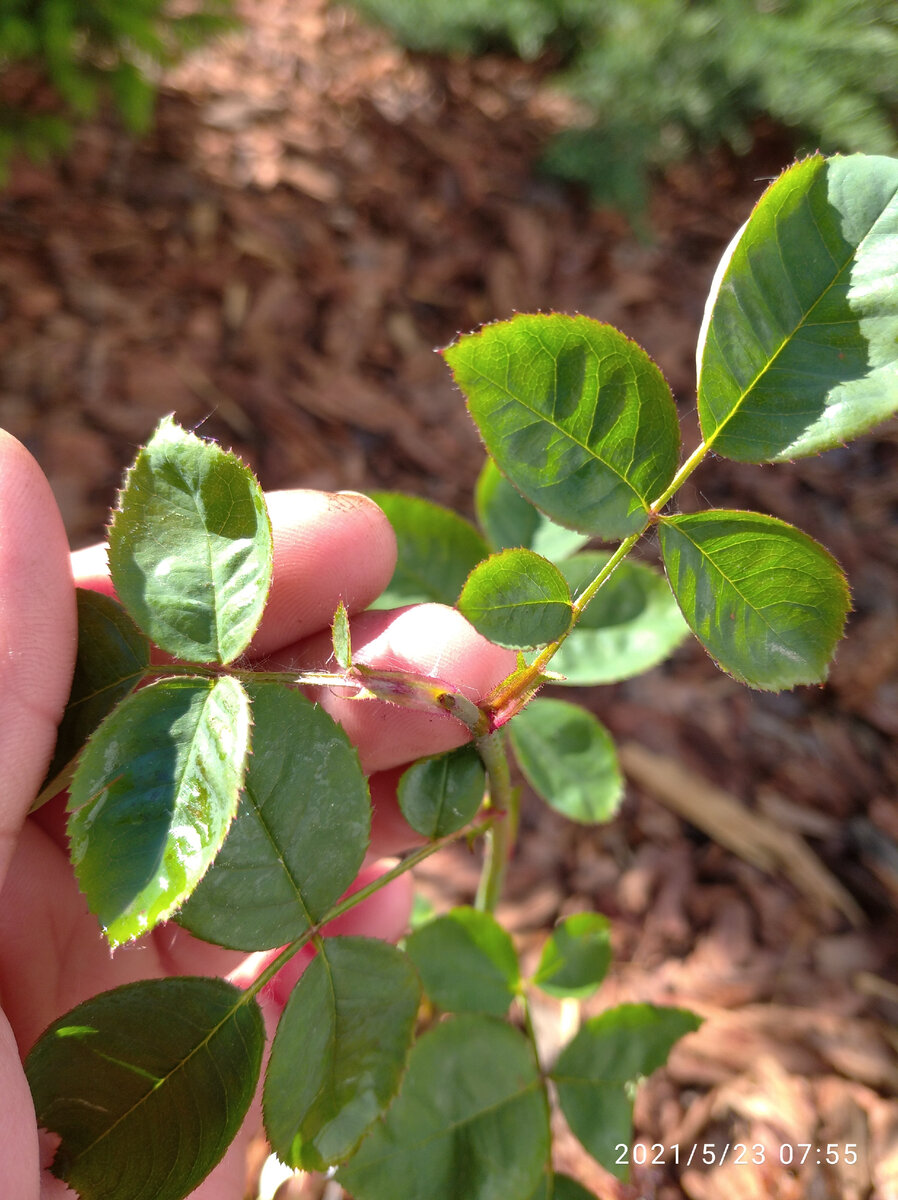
328 546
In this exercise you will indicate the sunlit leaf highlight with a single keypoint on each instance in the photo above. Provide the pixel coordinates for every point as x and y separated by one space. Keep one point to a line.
575 415
152 799
799 348
190 547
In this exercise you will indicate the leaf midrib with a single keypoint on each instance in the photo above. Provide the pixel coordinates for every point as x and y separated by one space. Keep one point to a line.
673 524
267 830
770 364
449 1129
481 375
211 687
241 1002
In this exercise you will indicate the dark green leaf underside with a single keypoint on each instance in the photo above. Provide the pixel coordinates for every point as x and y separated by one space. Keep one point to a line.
466 961
563 1187
568 758
471 1120
596 1072
147 1085
339 1051
441 794
510 521
112 657
436 551
576 956
300 833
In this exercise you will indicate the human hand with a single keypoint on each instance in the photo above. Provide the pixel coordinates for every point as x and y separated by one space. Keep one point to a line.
52 955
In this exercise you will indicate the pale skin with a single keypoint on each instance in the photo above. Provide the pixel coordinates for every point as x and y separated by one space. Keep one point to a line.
52 955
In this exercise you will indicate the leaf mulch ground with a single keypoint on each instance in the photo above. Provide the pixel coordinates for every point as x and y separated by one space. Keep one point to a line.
314 214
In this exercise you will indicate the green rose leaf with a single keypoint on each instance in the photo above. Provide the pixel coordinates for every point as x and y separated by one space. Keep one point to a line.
190 547
147 1085
799 348
437 550
423 910
112 657
300 833
562 1188
466 961
569 1189
471 1120
596 1072
576 415
510 521
340 637
632 623
152 798
441 794
766 601
575 959
339 1051
517 599
568 758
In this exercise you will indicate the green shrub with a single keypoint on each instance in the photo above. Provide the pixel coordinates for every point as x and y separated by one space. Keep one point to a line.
526 27
60 59
664 77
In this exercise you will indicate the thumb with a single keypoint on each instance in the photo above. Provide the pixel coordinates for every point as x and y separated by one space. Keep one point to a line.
37 633
37 650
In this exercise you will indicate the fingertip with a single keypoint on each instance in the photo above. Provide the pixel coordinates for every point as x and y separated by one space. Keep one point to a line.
436 640
90 567
328 547
426 639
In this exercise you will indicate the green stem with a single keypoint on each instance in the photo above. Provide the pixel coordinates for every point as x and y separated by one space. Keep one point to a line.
529 1030
161 670
603 576
500 838
215 671
513 692
404 688
503 798
693 461
351 901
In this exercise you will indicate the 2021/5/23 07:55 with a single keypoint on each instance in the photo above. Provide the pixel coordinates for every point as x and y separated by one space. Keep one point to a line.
711 1154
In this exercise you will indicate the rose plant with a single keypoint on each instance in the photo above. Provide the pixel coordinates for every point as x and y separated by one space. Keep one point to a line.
224 798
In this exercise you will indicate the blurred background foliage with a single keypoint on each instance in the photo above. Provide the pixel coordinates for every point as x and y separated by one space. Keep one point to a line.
659 79
61 59
653 80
